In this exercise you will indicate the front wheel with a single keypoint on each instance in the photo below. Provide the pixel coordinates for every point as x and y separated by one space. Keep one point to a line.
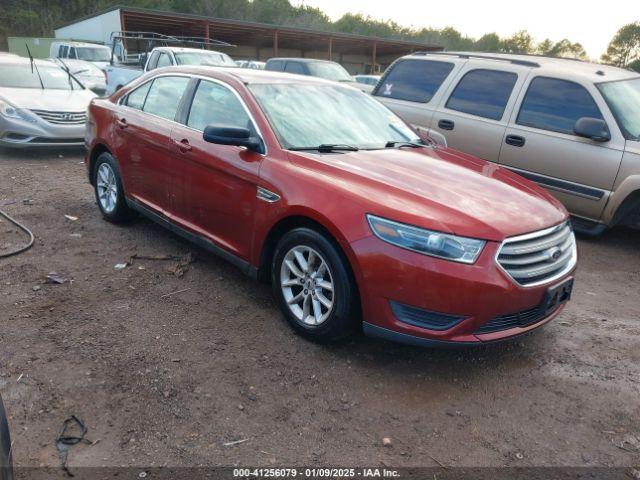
313 286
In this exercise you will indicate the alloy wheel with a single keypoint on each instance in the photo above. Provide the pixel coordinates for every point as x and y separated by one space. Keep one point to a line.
307 285
107 188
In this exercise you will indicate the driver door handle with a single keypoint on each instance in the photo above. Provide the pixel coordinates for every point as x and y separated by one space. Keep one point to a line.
122 123
183 145
515 140
446 124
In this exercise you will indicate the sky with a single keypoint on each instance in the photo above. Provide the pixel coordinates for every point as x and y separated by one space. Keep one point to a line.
586 22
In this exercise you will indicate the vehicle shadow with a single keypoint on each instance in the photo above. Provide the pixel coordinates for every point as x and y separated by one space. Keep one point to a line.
40 153
618 237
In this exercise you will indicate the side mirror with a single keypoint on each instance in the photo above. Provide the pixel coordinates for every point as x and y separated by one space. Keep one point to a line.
240 137
594 128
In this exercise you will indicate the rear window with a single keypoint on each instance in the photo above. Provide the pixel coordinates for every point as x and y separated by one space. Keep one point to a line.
414 80
483 93
556 105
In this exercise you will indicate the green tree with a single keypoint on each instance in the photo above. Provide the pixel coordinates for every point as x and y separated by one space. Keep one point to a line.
624 48
519 42
489 42
563 48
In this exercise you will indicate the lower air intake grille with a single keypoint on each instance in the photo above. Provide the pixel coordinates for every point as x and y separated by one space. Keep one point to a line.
539 257
424 318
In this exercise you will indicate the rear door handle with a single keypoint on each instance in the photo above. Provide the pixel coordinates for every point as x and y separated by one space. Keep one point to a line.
446 124
122 123
515 140
183 145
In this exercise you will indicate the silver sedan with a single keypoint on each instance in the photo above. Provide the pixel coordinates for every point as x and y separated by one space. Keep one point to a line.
40 104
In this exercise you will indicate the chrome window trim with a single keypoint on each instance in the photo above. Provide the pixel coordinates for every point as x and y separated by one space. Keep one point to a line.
207 79
540 233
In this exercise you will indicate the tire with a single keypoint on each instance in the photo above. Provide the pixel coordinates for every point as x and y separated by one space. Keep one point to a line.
6 469
106 177
320 303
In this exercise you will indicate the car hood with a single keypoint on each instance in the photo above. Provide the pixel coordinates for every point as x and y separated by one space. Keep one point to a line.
48 99
440 189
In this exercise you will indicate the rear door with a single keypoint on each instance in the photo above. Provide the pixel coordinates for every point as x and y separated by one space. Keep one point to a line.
539 143
144 126
412 88
215 185
474 111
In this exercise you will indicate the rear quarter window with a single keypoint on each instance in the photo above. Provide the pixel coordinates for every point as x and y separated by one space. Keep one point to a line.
275 65
483 93
414 80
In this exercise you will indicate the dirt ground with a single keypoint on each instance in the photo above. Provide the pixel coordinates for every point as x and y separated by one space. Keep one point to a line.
165 369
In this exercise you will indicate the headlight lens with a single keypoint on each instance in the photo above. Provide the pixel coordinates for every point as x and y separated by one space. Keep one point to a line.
427 242
8 110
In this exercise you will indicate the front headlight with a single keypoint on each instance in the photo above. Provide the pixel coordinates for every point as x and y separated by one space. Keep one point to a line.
427 242
9 111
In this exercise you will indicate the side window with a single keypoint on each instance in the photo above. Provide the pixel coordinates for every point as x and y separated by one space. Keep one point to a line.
63 51
163 60
153 61
276 65
164 96
214 104
72 52
556 105
484 93
136 98
294 67
414 80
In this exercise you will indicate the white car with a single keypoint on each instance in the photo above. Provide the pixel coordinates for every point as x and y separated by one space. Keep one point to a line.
86 73
40 104
99 55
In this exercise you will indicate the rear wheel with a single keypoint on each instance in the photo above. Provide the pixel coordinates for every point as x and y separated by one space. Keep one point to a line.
313 286
108 189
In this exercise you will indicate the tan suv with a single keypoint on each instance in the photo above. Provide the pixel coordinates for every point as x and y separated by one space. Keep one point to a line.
573 127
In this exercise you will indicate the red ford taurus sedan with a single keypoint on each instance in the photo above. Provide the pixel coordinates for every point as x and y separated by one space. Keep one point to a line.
324 192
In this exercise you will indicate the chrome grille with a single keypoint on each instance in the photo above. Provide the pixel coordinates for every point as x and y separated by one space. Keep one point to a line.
62 118
539 257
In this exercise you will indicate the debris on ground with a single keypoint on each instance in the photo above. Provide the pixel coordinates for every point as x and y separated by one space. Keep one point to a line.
121 266
178 269
66 440
386 441
235 442
54 278
70 217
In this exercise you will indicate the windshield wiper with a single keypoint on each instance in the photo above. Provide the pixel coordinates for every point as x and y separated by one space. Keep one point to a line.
66 69
33 64
403 143
328 148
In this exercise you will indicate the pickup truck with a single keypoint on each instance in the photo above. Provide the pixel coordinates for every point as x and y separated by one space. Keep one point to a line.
118 75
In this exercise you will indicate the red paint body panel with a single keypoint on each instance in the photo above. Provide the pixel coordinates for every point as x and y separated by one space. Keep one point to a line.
210 191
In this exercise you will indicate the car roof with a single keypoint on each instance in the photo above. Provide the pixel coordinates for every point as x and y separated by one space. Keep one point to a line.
186 49
248 76
567 67
80 44
301 60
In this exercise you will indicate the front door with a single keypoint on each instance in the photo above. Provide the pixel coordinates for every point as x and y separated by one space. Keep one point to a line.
539 144
215 186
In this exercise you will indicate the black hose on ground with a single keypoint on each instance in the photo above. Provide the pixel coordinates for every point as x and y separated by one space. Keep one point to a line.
24 229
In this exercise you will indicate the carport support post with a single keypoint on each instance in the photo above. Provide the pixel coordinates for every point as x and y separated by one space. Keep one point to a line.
275 43
330 48
373 58
206 31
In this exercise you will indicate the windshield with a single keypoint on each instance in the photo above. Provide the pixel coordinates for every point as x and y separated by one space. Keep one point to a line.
20 76
305 116
330 71
623 97
91 54
204 58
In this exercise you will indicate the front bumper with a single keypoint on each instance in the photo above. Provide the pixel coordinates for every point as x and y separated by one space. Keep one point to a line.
35 132
477 294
